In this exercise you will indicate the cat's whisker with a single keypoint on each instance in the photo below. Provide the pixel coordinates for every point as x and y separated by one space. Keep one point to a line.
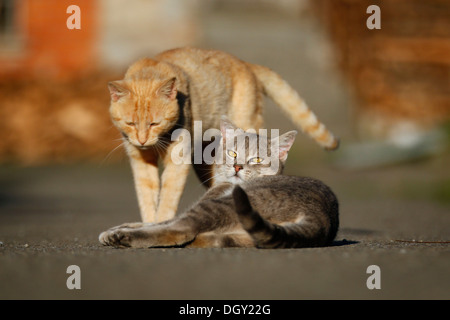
163 140
156 147
160 147
213 177
162 144
116 140
111 152
205 174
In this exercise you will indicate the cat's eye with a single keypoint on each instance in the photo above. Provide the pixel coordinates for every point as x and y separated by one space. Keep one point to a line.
232 154
130 123
256 160
149 125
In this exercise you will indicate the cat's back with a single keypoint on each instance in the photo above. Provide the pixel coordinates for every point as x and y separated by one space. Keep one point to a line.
293 185
287 195
196 59
211 74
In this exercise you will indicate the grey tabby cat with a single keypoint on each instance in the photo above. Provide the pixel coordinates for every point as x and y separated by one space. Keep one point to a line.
250 205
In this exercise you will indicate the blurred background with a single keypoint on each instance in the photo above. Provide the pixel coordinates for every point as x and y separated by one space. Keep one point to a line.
52 79
386 94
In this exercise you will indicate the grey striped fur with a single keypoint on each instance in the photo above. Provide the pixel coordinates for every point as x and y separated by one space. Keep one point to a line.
253 210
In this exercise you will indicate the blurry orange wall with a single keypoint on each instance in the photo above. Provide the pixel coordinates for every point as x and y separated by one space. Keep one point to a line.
50 49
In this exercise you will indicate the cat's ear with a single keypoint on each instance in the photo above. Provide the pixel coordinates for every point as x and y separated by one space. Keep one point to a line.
169 89
117 90
285 143
226 124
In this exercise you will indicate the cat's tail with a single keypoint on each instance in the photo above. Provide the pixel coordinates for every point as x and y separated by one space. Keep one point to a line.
270 235
291 103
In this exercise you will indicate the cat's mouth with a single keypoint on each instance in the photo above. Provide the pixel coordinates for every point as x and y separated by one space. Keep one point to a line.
144 147
236 178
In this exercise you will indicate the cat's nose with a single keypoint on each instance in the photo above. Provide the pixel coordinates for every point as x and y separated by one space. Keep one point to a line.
237 168
142 141
142 137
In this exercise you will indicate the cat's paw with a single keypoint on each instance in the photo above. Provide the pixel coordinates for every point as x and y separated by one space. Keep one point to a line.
120 238
146 237
121 235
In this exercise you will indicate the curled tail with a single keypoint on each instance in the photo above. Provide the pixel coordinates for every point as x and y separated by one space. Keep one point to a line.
291 103
269 235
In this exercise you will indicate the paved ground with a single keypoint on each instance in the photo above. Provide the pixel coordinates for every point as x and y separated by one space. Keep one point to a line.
50 217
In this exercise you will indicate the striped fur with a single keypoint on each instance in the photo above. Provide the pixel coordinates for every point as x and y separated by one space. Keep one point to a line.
318 231
273 212
294 106
178 87
252 207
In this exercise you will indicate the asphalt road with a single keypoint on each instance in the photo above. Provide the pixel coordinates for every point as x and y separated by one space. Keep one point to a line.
395 217
50 218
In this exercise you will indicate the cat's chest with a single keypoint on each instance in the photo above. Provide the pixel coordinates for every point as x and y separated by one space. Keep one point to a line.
227 192
224 194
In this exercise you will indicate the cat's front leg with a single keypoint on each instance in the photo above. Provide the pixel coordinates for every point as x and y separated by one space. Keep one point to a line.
107 237
146 237
112 237
173 181
122 236
144 165
131 225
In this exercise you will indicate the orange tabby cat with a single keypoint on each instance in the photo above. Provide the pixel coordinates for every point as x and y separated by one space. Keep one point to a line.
184 85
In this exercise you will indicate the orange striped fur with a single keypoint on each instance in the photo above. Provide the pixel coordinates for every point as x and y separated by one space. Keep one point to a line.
294 106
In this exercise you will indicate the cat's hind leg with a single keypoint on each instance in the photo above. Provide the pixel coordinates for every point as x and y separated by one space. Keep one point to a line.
222 240
246 109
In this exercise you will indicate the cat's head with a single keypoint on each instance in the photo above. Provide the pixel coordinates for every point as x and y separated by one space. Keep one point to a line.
144 108
247 155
